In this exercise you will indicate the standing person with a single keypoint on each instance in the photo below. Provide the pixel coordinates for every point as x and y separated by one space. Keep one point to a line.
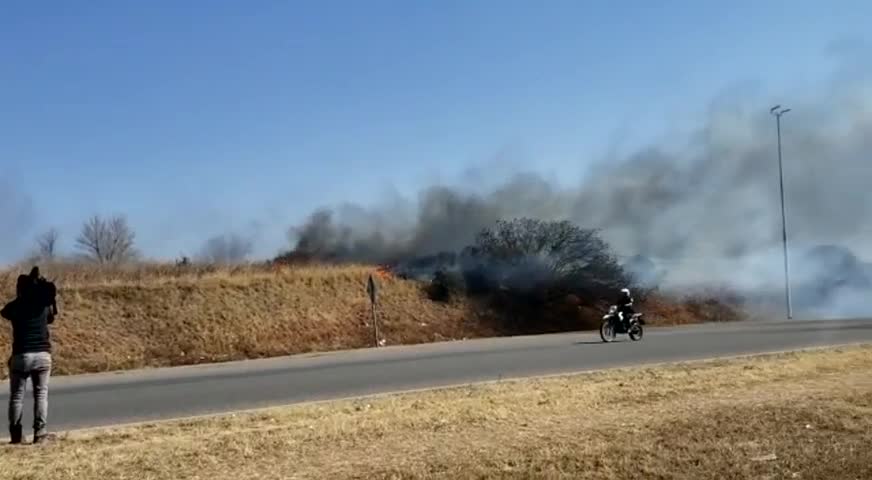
31 358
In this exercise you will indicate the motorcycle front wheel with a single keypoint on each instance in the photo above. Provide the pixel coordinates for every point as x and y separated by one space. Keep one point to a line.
607 331
636 332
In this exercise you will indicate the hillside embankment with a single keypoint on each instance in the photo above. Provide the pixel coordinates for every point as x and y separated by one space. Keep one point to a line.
166 315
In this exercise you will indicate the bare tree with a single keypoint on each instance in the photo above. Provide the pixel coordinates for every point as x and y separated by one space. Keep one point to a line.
47 244
107 240
531 255
230 248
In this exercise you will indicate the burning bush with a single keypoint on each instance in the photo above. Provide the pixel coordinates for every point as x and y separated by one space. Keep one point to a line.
527 269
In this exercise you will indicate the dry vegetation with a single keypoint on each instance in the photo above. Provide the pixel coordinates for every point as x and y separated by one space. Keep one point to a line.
160 315
805 415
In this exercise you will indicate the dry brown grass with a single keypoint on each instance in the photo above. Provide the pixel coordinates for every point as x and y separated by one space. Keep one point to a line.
798 415
162 315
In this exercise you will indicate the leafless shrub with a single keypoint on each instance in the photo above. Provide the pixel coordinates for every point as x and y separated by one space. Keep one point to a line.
529 255
47 244
107 240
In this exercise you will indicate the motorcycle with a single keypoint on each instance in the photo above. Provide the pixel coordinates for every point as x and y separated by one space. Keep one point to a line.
611 326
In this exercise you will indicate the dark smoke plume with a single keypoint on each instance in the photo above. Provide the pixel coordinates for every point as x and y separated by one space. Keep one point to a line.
706 211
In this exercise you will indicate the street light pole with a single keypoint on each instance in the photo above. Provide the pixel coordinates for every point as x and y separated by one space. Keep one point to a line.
777 111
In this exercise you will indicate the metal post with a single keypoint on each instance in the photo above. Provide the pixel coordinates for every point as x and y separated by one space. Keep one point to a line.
376 339
778 112
372 290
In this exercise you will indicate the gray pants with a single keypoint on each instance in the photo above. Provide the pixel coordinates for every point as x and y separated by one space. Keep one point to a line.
36 367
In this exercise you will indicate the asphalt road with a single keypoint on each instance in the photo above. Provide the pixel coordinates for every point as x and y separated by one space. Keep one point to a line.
104 399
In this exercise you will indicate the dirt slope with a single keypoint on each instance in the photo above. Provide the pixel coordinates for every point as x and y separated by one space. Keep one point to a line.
162 315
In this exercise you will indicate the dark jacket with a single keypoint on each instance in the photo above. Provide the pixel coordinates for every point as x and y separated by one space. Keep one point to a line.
30 319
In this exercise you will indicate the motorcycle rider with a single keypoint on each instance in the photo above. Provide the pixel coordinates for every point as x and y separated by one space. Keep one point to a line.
625 307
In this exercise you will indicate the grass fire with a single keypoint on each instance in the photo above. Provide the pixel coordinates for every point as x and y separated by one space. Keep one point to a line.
519 276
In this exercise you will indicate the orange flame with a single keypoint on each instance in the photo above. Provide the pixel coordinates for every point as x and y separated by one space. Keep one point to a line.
383 271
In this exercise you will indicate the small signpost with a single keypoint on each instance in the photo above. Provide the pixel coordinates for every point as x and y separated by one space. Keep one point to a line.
372 291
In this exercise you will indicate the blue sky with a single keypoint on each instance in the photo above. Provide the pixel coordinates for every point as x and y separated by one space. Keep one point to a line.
198 118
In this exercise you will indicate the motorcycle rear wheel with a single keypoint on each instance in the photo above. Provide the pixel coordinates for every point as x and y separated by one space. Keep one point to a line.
636 332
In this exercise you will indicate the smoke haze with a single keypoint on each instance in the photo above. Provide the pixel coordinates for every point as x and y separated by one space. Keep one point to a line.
704 211
226 248
17 217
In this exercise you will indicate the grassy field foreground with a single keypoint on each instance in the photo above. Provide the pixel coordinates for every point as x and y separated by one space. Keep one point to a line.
797 415
162 315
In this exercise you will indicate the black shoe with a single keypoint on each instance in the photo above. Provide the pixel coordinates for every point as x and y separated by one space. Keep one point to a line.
15 434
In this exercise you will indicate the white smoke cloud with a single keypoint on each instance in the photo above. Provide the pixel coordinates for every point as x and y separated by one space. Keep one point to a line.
706 211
